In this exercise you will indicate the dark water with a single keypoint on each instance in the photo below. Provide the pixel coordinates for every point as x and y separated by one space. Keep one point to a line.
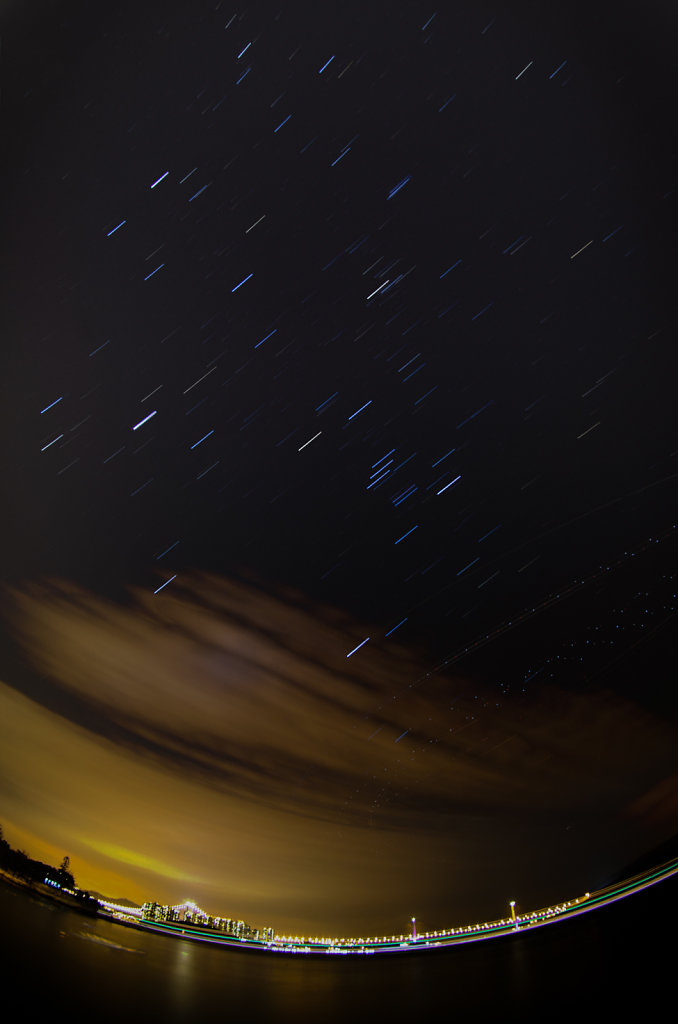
618 959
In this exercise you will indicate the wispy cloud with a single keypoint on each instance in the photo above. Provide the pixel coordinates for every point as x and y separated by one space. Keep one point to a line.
216 717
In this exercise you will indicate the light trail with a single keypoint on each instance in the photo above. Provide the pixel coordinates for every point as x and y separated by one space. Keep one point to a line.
442 938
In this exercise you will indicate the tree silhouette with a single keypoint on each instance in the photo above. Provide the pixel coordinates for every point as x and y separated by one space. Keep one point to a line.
64 876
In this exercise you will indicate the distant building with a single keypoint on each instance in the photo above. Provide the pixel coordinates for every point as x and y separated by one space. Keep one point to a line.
154 912
192 914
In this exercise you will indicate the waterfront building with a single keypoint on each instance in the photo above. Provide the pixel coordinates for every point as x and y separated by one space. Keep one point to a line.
154 912
191 914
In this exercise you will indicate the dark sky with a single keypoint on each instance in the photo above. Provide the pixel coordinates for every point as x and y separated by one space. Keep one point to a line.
328 322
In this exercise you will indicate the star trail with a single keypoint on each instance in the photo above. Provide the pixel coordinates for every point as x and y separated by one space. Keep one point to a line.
396 283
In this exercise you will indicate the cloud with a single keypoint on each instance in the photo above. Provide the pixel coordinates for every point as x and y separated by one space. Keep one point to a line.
133 858
218 731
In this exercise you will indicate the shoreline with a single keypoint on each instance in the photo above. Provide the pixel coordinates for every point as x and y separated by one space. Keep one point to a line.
47 892
369 947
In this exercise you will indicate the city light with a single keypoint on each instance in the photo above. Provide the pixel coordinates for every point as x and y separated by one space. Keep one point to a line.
190 921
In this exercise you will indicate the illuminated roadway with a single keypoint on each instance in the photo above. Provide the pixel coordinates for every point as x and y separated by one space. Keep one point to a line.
404 943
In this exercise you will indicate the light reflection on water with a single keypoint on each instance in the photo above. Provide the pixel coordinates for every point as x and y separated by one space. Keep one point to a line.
99 970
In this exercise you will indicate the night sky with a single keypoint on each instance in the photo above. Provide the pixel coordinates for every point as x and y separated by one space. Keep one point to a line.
339 452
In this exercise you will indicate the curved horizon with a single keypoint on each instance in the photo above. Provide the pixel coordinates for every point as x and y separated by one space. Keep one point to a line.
340 453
